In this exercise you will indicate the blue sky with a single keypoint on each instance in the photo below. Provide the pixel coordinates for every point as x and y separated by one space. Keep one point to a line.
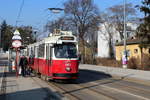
35 12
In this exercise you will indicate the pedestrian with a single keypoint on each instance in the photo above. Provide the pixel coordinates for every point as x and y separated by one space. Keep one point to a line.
23 63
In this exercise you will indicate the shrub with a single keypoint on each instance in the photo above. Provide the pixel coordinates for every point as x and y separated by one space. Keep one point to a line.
108 62
133 63
146 62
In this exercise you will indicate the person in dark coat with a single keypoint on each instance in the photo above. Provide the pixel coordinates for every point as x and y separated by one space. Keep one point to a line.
23 63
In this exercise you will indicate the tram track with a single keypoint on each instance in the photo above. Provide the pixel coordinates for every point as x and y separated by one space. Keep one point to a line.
127 84
51 93
98 89
59 90
132 90
77 87
92 87
126 89
106 89
63 91
130 85
133 87
113 98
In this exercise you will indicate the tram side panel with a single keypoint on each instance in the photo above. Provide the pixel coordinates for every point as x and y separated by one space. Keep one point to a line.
36 64
41 65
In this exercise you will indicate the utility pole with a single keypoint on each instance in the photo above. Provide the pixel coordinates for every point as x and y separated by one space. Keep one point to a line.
125 37
0 37
0 40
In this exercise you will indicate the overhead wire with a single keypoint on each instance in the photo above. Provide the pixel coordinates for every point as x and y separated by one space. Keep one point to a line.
51 15
19 13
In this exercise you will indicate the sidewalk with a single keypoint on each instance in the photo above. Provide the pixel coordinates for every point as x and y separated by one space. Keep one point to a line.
124 73
2 69
2 75
27 88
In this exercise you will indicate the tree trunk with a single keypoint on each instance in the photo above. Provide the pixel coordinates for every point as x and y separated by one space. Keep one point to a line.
83 50
111 54
142 58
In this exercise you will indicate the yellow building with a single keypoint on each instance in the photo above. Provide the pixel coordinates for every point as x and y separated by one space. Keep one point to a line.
132 47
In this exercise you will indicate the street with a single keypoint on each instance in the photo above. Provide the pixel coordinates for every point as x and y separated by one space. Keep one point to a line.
91 85
94 85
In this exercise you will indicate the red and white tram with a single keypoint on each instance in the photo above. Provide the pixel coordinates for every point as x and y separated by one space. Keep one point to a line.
55 57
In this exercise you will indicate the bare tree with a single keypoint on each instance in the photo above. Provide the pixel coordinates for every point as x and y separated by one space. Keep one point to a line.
83 15
90 40
117 16
60 23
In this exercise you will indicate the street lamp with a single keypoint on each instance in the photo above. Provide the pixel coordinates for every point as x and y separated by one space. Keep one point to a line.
55 10
27 37
125 36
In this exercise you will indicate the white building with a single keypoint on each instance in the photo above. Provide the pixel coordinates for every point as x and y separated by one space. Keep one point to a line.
103 44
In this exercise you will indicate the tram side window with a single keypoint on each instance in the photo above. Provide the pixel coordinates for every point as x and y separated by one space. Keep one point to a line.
32 52
41 50
27 51
36 53
47 52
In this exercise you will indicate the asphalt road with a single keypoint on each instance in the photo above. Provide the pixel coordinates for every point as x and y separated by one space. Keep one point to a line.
93 85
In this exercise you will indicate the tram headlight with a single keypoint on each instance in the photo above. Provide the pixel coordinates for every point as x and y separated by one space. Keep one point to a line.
68 69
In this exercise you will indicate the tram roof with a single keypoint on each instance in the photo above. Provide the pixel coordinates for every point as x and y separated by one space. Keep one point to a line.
56 39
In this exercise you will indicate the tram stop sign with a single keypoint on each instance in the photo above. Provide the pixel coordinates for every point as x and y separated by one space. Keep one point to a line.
16 43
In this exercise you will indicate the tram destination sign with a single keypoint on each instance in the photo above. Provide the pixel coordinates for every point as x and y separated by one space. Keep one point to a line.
67 38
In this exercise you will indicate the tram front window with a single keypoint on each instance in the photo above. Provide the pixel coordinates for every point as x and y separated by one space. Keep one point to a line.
65 51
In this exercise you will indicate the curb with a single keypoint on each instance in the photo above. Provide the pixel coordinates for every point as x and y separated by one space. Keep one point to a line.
124 74
130 79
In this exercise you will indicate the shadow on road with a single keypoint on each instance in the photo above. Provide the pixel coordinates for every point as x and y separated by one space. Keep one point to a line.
10 74
89 76
85 76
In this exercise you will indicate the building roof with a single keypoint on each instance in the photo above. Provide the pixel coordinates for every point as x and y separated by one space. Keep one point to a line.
129 41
